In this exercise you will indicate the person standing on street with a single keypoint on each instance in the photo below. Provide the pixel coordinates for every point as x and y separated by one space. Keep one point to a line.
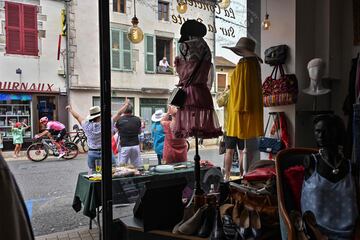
92 128
157 132
18 131
129 127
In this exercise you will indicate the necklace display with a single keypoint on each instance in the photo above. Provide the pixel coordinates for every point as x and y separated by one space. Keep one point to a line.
336 167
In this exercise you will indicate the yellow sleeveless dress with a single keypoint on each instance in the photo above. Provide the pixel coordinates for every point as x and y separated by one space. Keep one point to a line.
245 104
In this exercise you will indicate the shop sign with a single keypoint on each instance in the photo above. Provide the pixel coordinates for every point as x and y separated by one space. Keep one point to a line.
26 87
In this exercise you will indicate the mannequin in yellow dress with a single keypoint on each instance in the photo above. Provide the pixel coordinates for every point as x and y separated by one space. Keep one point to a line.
245 105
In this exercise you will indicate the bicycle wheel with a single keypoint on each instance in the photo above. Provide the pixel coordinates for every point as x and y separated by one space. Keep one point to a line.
71 150
188 145
37 152
84 146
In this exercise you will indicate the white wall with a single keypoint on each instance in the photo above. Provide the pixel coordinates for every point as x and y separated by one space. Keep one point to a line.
41 69
283 31
87 55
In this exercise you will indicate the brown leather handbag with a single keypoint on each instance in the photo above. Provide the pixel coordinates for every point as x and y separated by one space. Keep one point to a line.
263 205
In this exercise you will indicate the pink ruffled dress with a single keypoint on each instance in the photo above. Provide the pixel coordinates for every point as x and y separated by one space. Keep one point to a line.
198 115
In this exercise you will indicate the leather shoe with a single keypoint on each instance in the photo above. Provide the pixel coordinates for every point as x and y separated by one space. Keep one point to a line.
208 222
229 227
192 225
188 213
218 231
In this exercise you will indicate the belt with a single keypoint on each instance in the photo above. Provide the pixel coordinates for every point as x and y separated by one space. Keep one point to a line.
91 149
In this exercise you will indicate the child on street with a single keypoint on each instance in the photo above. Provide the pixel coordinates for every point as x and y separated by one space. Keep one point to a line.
18 131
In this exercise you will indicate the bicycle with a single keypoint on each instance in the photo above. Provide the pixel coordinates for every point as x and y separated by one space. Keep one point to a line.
79 138
41 148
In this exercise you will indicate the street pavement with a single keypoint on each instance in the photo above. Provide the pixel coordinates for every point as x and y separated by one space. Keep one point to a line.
48 189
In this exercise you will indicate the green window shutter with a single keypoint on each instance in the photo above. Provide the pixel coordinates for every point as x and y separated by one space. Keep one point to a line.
177 46
149 53
115 50
126 52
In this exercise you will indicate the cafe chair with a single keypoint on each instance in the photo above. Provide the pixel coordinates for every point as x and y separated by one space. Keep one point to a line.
285 159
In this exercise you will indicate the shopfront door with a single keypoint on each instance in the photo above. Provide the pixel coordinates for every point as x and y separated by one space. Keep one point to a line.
46 107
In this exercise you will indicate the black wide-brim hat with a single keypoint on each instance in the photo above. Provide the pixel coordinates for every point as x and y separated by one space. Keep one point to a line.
192 28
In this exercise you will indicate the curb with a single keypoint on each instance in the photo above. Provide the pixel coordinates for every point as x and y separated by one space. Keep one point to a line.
75 234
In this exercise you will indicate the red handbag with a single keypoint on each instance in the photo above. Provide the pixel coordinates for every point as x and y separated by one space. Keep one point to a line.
260 174
282 91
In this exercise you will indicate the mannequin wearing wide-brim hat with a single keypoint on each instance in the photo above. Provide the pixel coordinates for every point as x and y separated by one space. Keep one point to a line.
197 117
245 104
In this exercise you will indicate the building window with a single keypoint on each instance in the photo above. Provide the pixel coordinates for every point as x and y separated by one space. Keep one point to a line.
163 11
164 50
21 29
149 53
116 103
120 51
119 6
221 82
148 106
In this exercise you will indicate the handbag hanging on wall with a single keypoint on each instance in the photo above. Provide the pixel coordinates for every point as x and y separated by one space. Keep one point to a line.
282 91
276 55
268 144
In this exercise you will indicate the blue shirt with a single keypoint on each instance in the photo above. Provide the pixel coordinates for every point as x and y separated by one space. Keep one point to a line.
158 135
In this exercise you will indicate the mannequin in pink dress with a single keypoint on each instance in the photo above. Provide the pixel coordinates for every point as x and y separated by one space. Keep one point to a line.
197 118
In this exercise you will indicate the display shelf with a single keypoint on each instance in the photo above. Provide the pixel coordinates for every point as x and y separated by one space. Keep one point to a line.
11 113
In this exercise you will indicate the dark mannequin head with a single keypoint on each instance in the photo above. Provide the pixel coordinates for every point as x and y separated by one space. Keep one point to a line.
329 130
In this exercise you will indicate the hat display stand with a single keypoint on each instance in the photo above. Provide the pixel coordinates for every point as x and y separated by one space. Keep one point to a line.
198 191
245 160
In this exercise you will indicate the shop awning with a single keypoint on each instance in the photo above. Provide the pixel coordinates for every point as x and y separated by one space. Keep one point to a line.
21 97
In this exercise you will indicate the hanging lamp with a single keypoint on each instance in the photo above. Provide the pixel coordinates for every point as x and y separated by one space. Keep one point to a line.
135 34
224 3
266 22
182 6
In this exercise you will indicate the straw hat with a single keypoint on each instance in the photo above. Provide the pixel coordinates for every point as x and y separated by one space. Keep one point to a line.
156 117
192 28
95 112
245 47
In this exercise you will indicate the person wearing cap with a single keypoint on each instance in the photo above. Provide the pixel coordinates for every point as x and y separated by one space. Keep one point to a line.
197 116
92 128
157 133
245 103
18 131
